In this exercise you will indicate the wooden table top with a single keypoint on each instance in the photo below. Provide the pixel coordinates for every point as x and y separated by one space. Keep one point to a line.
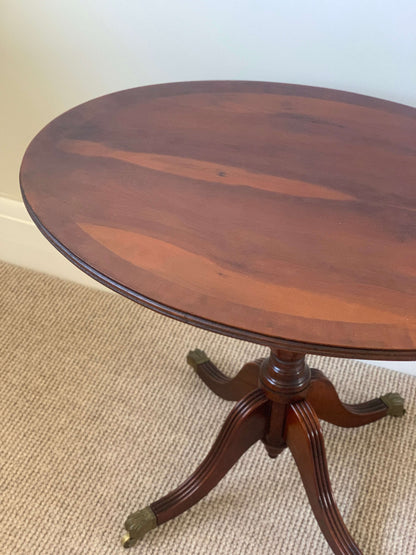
279 214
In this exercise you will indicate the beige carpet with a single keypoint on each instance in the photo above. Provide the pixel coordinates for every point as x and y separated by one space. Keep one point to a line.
87 436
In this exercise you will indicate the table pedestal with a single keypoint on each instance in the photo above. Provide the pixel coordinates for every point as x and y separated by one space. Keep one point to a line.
280 401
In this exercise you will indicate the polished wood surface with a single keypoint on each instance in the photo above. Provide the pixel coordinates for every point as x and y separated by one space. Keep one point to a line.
321 394
244 426
280 214
303 436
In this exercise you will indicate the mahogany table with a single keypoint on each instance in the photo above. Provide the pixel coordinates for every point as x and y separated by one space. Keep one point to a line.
279 214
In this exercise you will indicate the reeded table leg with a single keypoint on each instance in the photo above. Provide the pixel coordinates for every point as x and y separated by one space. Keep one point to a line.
279 396
304 438
245 425
325 401
230 389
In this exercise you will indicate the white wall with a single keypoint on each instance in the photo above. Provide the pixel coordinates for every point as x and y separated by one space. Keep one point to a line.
58 53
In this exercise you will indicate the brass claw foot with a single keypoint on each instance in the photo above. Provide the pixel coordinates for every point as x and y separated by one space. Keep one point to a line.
394 403
196 357
137 524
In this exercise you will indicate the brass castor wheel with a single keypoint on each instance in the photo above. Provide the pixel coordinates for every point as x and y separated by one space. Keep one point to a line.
394 403
196 357
137 525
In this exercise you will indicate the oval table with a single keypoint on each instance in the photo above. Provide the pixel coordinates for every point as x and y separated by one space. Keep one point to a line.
278 214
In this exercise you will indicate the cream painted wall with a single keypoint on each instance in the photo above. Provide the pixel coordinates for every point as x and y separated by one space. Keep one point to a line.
58 53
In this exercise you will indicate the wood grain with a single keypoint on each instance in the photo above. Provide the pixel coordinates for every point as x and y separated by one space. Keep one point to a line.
244 426
276 213
324 398
304 438
230 389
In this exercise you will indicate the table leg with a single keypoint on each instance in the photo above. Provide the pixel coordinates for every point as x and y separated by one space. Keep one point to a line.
304 438
230 389
246 424
325 401
278 399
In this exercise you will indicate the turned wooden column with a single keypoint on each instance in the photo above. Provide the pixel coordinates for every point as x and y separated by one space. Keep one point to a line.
284 377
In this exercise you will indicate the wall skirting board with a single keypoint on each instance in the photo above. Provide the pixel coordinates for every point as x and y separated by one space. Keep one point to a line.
23 244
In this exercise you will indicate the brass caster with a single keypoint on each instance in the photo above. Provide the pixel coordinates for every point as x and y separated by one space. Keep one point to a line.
394 403
137 525
127 541
196 357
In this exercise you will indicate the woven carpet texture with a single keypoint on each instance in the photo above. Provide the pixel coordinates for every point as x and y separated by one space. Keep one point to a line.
100 415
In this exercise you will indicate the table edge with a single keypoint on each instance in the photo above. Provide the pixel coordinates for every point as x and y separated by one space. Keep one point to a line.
210 325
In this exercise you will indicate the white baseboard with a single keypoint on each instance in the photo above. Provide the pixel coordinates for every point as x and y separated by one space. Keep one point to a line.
24 245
